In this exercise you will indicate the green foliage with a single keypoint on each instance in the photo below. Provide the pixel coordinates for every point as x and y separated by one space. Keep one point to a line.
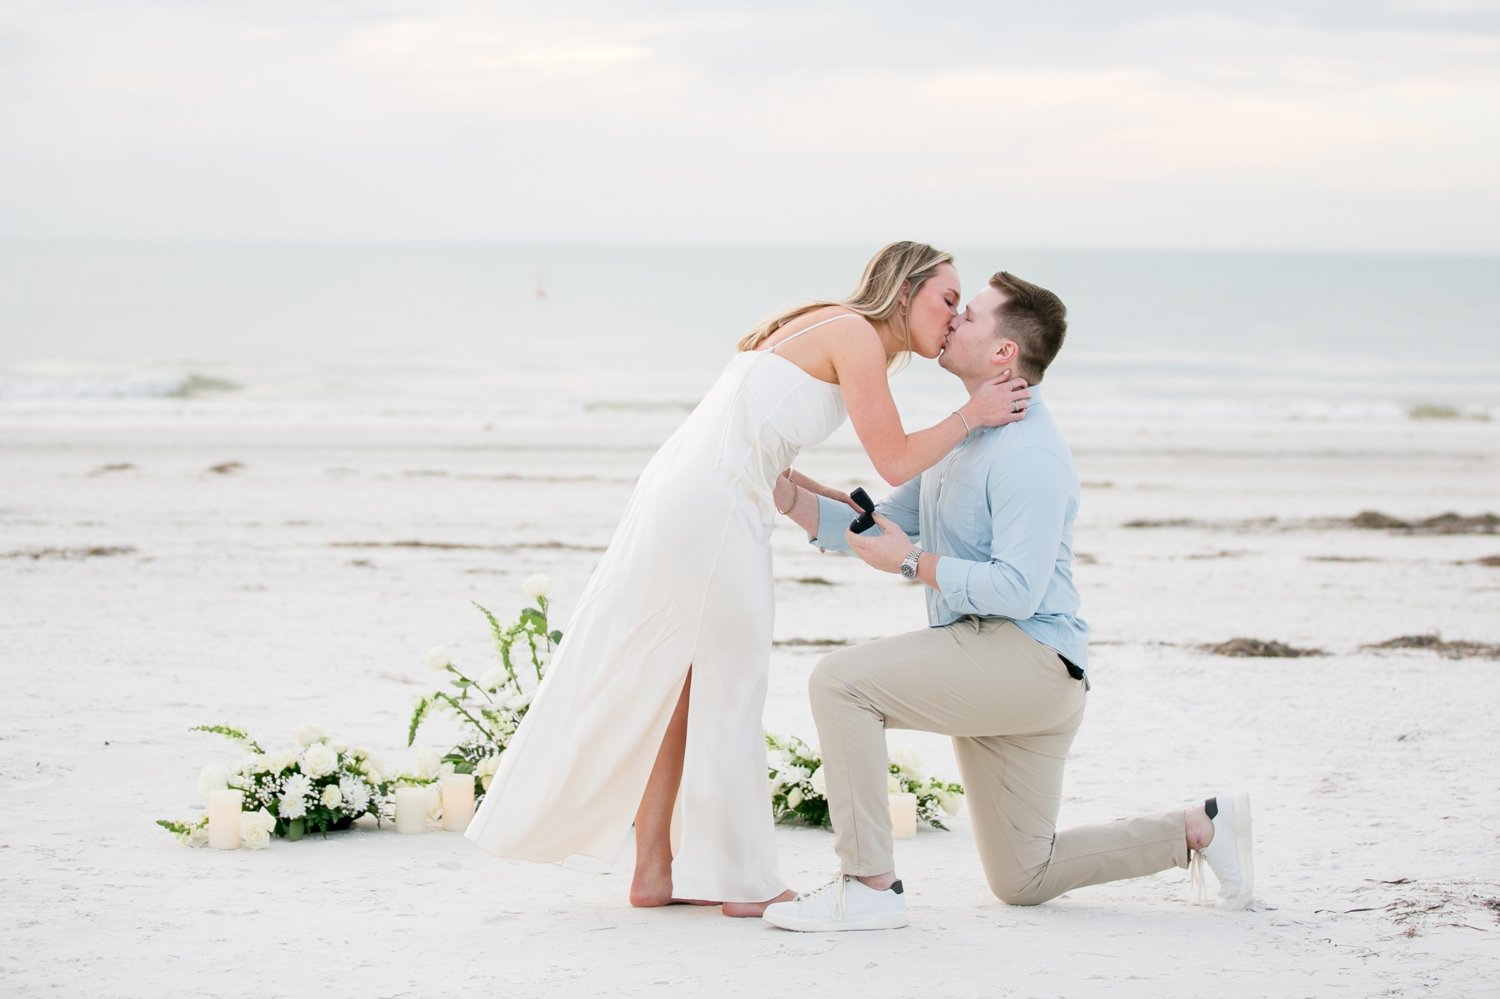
230 732
418 714
491 708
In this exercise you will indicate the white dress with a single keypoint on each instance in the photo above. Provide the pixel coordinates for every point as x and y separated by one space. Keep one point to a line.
686 581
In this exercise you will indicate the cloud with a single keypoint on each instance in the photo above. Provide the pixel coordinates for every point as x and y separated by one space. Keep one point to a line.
772 121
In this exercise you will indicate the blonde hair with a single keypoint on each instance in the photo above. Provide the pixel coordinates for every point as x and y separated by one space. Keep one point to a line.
896 267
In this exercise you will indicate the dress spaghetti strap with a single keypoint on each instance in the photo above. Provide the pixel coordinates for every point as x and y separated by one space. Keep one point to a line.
822 322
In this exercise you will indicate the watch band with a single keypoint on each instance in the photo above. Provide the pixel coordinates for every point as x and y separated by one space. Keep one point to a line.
910 563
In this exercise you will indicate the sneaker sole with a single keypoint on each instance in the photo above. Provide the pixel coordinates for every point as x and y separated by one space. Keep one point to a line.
877 921
1243 852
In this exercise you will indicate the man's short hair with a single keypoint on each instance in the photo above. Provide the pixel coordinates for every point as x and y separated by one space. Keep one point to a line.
1035 319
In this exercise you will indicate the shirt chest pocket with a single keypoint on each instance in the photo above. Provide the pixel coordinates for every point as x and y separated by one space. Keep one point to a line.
964 516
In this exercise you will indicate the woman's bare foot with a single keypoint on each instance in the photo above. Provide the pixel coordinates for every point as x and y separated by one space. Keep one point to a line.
756 909
651 886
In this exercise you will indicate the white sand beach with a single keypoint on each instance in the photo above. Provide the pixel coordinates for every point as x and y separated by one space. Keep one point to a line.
276 591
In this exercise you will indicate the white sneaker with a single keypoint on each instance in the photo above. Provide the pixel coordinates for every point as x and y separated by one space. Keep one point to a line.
843 904
1228 853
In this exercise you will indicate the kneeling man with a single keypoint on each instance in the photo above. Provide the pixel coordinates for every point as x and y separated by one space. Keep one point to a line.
1003 669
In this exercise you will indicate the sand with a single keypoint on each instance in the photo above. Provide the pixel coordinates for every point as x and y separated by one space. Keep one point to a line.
248 573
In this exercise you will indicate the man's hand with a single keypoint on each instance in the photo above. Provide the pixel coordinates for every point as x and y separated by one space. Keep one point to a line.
884 551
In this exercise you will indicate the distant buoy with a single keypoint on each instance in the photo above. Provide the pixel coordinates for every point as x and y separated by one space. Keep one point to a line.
541 287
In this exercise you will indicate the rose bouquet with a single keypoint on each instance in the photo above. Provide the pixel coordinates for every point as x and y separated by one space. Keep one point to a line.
316 787
489 708
799 787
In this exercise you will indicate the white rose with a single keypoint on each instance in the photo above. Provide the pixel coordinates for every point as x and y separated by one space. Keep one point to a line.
212 778
373 771
260 817
892 785
907 760
438 658
320 760
794 797
485 770
252 763
819 782
309 734
279 761
332 796
516 702
428 762
793 775
197 835
537 586
494 679
948 802
255 834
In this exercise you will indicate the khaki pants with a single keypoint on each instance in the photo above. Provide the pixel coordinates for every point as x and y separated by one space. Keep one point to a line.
1012 710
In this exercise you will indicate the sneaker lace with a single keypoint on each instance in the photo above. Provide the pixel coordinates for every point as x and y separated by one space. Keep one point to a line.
1196 863
836 886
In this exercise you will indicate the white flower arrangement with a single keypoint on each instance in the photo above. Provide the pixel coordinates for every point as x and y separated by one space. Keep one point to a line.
491 707
320 788
799 787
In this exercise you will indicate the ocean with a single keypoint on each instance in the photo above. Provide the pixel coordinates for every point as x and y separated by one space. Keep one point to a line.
631 335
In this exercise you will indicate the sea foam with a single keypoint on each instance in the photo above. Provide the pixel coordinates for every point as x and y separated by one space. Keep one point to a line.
149 384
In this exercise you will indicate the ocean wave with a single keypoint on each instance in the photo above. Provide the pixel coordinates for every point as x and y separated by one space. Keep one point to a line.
115 385
1296 410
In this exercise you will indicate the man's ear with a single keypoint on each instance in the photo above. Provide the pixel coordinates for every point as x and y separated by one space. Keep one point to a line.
1006 353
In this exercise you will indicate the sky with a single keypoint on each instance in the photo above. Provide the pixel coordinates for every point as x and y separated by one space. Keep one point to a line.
1364 126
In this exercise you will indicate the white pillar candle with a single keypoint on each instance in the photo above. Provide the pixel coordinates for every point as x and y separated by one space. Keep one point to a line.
903 815
458 801
411 809
224 807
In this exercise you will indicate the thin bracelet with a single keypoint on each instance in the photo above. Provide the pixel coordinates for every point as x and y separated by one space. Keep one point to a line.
965 422
796 491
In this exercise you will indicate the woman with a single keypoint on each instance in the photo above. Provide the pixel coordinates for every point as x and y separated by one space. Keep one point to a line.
652 706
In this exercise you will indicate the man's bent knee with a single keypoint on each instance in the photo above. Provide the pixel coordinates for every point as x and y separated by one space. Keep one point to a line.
1016 888
830 677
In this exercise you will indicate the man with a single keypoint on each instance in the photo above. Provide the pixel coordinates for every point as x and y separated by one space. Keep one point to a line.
1003 667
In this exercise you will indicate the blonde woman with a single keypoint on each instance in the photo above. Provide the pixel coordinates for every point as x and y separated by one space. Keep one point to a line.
651 708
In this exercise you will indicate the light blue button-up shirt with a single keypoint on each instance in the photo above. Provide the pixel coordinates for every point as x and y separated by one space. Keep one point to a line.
999 510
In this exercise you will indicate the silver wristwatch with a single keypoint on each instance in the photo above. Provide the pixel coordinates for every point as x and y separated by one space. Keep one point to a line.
909 564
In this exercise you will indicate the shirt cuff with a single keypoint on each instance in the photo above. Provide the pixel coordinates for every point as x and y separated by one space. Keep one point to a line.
952 575
833 521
